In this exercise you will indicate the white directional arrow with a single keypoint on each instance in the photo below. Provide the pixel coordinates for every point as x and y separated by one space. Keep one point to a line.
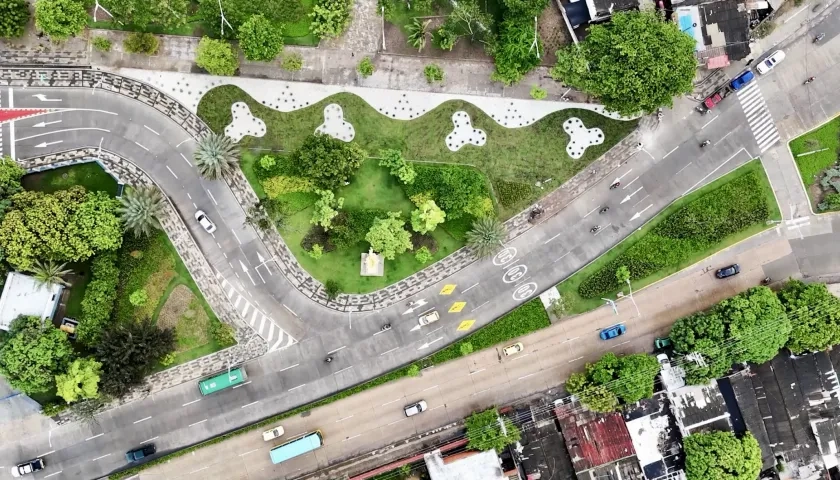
427 344
260 258
627 198
44 124
416 327
44 98
244 268
417 304
639 214
47 144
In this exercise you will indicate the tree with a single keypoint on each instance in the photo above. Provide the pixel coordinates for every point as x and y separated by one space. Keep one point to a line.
514 51
332 288
401 169
365 67
97 221
141 210
326 208
33 354
484 431
628 378
60 19
330 18
216 56
138 298
14 15
127 351
328 162
387 236
635 63
50 272
98 301
142 13
814 316
81 380
722 456
468 19
215 156
417 33
526 8
427 217
486 236
268 212
259 39
423 255
237 12
141 42
622 274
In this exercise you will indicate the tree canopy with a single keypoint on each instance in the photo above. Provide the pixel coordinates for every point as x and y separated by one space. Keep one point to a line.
427 217
749 327
602 384
216 56
14 15
68 225
484 431
81 380
635 63
721 456
32 355
326 208
127 352
142 13
327 161
259 39
60 19
526 8
388 237
814 315
514 51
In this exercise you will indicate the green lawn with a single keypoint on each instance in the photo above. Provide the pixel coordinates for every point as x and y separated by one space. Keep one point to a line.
569 287
826 138
525 155
89 175
298 33
372 188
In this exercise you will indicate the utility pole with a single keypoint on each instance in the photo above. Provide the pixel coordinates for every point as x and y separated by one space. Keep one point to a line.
612 304
224 20
633 299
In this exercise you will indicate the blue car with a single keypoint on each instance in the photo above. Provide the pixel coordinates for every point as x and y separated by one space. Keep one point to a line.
741 80
612 332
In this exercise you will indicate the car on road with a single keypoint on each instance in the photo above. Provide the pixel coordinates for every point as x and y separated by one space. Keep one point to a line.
205 221
428 318
28 467
515 348
275 432
661 342
729 271
612 332
140 453
415 408
770 62
663 360
741 80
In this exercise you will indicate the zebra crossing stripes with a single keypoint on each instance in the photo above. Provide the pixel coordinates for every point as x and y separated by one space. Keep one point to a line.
758 116
276 338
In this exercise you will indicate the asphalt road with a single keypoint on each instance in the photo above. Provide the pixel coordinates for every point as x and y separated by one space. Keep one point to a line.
670 165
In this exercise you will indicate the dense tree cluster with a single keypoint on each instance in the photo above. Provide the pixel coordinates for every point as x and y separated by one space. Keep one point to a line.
484 431
60 19
814 316
128 351
721 456
33 354
14 15
327 161
614 379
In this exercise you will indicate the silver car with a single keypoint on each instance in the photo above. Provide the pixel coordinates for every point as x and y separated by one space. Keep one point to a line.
205 221
415 408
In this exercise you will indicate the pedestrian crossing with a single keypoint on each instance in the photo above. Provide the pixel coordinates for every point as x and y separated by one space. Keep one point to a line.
758 116
275 337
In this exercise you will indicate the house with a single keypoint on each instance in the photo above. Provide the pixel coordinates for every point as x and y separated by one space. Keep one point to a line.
655 436
700 408
469 465
24 295
541 453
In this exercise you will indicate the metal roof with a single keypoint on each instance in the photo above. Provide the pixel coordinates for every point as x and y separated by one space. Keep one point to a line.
593 439
24 295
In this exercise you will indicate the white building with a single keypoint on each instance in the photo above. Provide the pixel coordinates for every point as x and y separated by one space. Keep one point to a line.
468 465
24 295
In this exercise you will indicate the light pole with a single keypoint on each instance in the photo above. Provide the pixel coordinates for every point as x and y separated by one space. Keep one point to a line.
633 299
612 304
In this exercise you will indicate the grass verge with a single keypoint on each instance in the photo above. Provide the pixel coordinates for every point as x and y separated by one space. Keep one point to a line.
524 319
89 175
569 288
825 143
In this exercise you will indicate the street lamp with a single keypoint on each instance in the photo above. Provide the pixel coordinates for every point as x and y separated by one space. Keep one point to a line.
612 304
633 299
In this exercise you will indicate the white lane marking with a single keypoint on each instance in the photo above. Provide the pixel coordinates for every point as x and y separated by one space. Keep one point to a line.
149 440
197 423
426 389
289 309
45 454
601 230
183 142
62 131
188 162
100 458
299 386
631 183
389 351
50 475
683 168
574 359
290 367
337 349
47 144
562 257
552 238
343 419
469 288
478 393
712 172
234 236
343 369
392 401
190 403
477 371
622 343
351 438
200 469
241 385
170 171
520 356
212 197
95 436
570 340
150 129
672 151
44 124
483 304
640 201
588 214
249 451
435 408
142 420
724 137
526 376
249 404
43 98
398 421
710 121
380 331
144 148
433 331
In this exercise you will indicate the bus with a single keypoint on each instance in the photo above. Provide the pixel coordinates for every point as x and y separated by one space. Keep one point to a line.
224 380
303 444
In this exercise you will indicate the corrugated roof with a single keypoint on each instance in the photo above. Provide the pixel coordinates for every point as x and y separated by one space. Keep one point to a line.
594 439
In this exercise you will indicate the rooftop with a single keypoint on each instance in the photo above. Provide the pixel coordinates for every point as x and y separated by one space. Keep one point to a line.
593 439
700 408
464 466
24 295
541 451
655 436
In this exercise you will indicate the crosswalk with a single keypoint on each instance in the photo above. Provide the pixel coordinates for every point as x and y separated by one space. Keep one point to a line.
275 337
758 116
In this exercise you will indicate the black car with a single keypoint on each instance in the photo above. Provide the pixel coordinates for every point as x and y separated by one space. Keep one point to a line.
140 453
729 271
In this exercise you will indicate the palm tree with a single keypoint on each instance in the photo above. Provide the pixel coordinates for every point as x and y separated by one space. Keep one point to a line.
141 209
50 272
215 156
417 33
486 236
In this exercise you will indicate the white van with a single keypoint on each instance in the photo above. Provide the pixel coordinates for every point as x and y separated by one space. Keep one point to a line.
275 432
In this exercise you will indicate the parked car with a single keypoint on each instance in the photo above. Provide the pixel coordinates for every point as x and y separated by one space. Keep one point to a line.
140 453
613 332
415 408
275 432
770 62
741 80
205 222
729 271
515 348
428 318
28 467
661 342
663 360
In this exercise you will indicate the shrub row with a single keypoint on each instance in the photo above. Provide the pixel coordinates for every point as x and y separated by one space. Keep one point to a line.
701 224
100 294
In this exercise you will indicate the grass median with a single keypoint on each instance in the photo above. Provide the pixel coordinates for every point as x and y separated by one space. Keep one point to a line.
526 318
814 153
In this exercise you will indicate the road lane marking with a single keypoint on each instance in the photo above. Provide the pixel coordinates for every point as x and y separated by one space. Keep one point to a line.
640 201
478 371
249 451
234 234
713 171
289 368
200 469
588 214
672 151
50 475
95 436
435 408
724 137
425 389
188 162
343 419
448 289
12 127
570 340
622 343
149 129
552 238
212 197
173 173
100 458
62 131
562 257
470 288
389 351
392 401
457 307
398 421
520 356
631 183
149 440
710 121
183 142
190 403
526 376
574 359
433 331
465 325
476 393
290 310
196 423
142 420
249 404
141 146
343 369
338 349
299 386
240 385
601 230
483 304
45 454
351 438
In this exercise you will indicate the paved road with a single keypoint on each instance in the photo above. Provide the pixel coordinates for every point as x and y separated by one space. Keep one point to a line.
670 165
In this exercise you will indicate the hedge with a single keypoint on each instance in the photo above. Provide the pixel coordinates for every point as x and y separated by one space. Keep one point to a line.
512 193
524 319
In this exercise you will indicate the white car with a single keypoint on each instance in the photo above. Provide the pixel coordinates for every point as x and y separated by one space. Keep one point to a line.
25 468
275 432
768 63
205 222
515 348
415 408
428 318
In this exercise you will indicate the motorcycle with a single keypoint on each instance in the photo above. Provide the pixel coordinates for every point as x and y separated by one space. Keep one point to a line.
819 37
604 210
810 79
329 359
595 229
707 142
386 327
615 185
659 114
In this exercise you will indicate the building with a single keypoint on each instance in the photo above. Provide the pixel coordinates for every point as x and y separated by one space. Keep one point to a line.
540 453
700 408
655 436
470 465
24 295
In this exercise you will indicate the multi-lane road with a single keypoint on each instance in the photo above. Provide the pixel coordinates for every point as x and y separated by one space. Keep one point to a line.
670 164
